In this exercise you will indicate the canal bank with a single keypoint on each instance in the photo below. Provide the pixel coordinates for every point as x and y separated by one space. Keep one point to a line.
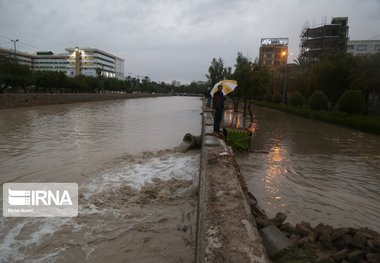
37 99
319 238
233 227
226 229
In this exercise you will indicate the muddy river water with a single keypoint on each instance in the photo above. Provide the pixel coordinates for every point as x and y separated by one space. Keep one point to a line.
313 171
137 198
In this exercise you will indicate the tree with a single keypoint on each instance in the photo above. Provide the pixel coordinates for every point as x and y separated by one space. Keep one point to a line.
296 99
216 71
319 101
13 74
367 79
243 76
299 76
333 75
352 101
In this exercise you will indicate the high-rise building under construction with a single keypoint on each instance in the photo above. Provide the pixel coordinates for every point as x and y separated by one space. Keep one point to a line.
324 39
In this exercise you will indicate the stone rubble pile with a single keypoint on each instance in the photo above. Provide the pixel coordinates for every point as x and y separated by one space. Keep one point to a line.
338 244
344 245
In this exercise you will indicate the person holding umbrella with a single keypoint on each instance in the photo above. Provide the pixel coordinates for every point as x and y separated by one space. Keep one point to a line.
218 92
218 105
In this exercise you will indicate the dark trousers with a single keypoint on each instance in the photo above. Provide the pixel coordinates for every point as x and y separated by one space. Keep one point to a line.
217 119
209 102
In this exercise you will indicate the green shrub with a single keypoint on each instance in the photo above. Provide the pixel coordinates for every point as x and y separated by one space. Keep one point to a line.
319 101
268 97
276 98
296 99
352 101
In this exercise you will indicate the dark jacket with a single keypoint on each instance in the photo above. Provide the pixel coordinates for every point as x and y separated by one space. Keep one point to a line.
218 101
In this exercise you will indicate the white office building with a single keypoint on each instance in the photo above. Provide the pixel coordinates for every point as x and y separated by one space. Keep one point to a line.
92 61
50 62
78 61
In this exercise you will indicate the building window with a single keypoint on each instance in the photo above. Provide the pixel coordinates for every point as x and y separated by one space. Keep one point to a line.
377 47
350 47
361 48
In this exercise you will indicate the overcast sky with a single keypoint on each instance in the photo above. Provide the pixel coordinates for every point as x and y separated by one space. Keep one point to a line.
174 39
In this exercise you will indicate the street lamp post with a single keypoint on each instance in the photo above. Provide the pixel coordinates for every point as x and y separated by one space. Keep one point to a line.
284 95
14 46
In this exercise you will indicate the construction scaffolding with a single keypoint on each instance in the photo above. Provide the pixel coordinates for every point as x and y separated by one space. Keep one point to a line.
325 39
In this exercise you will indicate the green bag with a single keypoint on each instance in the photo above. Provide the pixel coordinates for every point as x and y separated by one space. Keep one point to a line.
238 139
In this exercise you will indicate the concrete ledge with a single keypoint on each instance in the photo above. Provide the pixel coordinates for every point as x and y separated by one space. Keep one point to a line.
226 229
208 118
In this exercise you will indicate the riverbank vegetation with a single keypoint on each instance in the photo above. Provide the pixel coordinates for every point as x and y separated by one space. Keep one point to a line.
17 78
340 88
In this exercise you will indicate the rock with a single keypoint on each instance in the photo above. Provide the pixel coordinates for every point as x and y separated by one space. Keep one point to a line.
304 230
347 239
339 232
274 240
325 239
341 254
318 229
263 221
355 256
257 211
367 233
323 255
279 219
303 241
376 243
287 227
370 244
339 244
306 224
251 199
294 238
359 240
373 257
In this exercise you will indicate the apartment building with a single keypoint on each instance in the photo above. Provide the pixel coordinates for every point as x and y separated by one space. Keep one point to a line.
274 53
363 48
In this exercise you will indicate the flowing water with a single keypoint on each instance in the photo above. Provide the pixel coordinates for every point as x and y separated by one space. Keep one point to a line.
313 171
136 195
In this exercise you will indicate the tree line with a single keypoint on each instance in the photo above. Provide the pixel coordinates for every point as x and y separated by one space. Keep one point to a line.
15 77
330 83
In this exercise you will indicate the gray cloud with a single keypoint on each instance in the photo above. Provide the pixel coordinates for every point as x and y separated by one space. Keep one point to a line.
170 39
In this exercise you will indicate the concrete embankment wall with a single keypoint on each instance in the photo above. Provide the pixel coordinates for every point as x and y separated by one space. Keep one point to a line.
35 99
226 229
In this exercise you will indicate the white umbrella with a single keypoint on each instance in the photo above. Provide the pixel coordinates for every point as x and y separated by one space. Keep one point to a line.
228 86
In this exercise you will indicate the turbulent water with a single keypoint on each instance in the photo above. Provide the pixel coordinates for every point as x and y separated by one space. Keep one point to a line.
136 195
313 171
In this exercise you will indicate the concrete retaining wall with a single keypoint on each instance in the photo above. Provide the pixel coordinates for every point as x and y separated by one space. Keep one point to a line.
35 99
226 229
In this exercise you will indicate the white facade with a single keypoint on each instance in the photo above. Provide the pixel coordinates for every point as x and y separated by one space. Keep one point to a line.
363 47
78 61
21 57
87 61
51 62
